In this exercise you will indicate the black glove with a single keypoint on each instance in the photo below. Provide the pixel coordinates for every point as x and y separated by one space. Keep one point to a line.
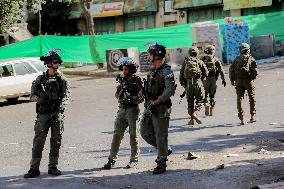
224 83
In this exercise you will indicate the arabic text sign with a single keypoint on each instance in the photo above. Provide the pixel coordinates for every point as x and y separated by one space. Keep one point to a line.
232 4
107 9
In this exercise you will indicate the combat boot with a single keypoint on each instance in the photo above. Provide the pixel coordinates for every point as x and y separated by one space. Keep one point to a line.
159 170
194 116
211 110
109 164
191 121
243 121
206 110
170 151
253 118
131 164
32 173
54 171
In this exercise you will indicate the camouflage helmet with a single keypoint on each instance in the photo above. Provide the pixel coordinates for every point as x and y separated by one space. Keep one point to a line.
193 51
244 46
209 49
127 61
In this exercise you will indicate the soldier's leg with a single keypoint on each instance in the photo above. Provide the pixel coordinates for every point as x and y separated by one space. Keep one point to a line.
161 126
41 130
206 84
120 126
199 99
147 129
57 124
252 100
240 90
212 92
132 117
190 102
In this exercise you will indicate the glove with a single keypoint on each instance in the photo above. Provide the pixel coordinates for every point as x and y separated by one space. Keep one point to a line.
224 83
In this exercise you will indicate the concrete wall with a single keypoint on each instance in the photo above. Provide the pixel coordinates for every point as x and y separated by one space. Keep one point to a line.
235 13
178 17
119 24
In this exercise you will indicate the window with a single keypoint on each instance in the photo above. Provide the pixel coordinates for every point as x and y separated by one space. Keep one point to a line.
38 65
6 70
23 69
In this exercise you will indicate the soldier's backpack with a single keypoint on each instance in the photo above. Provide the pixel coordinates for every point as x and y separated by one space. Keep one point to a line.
210 64
192 69
243 65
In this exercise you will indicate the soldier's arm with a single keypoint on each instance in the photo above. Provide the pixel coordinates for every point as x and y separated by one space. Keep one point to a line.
35 88
118 91
66 94
220 69
204 69
232 72
181 76
169 85
253 68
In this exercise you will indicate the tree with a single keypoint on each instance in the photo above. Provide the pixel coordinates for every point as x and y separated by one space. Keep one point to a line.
10 13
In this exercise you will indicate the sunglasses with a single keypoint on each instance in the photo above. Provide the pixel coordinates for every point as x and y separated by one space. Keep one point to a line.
55 62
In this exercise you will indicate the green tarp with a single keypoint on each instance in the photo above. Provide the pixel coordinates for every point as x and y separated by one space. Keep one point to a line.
92 49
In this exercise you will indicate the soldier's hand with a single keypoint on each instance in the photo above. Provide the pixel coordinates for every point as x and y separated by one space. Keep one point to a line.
224 83
233 83
157 101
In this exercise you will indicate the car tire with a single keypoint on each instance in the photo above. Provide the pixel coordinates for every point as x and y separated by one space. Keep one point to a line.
12 100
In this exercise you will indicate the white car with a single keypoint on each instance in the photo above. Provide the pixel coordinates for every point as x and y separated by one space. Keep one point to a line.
17 75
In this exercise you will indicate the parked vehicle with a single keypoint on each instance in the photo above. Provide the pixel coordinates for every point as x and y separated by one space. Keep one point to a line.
17 75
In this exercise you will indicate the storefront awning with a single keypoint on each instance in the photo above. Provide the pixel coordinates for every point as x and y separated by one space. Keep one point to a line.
232 4
134 6
180 4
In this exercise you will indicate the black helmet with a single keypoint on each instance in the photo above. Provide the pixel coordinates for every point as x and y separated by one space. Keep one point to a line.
127 61
158 50
51 55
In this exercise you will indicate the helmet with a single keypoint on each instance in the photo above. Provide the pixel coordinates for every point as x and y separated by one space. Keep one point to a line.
127 61
158 50
209 49
244 46
51 56
193 51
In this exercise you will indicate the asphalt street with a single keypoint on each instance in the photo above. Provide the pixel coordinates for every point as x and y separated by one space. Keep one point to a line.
251 154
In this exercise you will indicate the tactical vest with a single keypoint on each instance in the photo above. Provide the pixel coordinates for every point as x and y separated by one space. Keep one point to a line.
242 68
131 87
192 69
210 64
50 93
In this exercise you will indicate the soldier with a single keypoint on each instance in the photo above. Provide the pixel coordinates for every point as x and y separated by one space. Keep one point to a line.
129 94
159 87
51 93
243 72
214 67
192 72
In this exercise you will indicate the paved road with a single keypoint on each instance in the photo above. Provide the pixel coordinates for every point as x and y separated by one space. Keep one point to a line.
88 133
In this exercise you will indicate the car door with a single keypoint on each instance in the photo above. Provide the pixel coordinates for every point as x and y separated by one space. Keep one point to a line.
25 74
7 83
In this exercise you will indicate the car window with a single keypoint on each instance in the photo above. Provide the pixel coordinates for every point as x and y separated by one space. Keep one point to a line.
39 65
23 69
6 70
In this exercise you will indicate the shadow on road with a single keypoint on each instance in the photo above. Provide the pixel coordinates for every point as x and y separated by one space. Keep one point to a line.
6 103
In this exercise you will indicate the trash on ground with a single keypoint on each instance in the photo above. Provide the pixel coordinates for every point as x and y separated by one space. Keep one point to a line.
264 151
231 155
221 166
273 123
192 156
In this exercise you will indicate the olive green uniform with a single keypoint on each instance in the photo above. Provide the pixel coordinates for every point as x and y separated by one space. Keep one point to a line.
51 94
160 84
192 72
127 93
243 72
215 69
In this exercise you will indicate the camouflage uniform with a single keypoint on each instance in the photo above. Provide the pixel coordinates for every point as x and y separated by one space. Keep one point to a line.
215 69
128 95
192 72
160 84
243 72
51 94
